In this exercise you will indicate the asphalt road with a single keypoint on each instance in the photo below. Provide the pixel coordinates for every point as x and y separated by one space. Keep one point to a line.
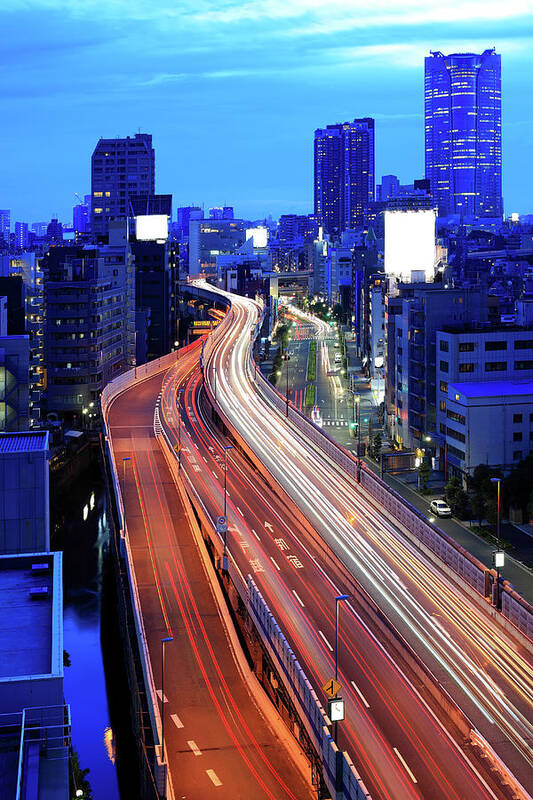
434 615
217 741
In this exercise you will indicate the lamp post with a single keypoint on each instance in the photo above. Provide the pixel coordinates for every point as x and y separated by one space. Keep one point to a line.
179 396
126 458
226 448
338 599
286 358
498 481
163 643
215 381
358 401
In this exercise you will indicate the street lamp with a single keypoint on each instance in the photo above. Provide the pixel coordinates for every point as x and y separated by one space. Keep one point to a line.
286 358
498 481
226 448
339 598
215 381
164 641
179 396
126 458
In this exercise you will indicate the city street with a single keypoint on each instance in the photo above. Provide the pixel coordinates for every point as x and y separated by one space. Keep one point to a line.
218 743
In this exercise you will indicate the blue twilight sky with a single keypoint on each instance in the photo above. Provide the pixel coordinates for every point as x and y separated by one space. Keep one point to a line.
232 91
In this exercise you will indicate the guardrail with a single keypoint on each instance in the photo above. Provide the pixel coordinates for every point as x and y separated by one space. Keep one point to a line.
340 775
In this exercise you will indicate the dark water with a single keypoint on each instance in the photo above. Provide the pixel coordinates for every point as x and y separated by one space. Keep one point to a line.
80 528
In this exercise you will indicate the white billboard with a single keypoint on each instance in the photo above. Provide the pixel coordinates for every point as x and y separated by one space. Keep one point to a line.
151 227
259 235
410 243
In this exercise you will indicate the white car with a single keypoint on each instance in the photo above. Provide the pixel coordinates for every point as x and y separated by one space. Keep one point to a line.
316 416
440 508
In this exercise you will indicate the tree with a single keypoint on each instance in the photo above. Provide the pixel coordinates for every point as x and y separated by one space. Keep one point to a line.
424 472
456 497
376 447
478 506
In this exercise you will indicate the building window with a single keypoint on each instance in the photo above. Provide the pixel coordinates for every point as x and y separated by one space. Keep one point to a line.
442 405
455 434
456 417
531 435
444 366
469 367
517 417
523 344
517 436
495 345
444 345
517 455
444 387
495 366
523 364
442 428
466 347
531 417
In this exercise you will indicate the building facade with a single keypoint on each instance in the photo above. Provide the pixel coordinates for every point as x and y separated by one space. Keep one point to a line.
463 152
120 169
484 396
344 174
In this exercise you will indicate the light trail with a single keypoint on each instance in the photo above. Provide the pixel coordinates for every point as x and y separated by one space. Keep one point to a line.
399 578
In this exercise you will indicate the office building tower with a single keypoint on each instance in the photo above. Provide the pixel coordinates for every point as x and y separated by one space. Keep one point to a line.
87 322
39 229
81 215
5 224
54 232
120 169
21 235
463 120
344 174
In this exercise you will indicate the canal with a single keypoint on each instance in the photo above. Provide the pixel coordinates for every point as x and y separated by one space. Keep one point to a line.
80 529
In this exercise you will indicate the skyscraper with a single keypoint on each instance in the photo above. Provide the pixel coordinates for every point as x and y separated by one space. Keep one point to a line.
5 224
463 132
120 169
344 173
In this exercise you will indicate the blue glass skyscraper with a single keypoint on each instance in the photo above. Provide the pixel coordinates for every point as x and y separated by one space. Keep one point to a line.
463 145
344 174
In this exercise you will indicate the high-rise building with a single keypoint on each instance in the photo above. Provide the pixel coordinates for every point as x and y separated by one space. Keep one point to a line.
21 235
120 169
344 174
463 132
5 224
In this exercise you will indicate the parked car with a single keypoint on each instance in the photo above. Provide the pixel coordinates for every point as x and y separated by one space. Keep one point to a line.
316 416
338 358
440 508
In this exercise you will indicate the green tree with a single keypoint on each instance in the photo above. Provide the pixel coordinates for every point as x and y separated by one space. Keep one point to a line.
424 472
478 506
376 447
456 497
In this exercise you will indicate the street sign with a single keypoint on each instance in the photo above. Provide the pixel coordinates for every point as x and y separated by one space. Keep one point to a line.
336 709
222 524
331 688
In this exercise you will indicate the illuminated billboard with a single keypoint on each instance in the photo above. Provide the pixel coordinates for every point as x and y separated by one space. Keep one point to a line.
152 227
410 243
259 235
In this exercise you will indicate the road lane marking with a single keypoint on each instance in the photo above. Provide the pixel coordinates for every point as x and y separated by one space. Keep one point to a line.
326 641
256 536
214 777
176 720
205 459
197 467
269 526
298 598
194 747
239 510
402 759
165 698
214 473
276 565
360 693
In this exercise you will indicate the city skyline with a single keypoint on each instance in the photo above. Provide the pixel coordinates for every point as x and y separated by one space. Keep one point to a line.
263 79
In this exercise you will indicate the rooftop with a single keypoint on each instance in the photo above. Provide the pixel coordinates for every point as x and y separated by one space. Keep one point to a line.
27 442
502 389
28 585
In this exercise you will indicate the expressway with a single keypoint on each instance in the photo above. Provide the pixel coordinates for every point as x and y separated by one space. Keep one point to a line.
402 744
218 742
